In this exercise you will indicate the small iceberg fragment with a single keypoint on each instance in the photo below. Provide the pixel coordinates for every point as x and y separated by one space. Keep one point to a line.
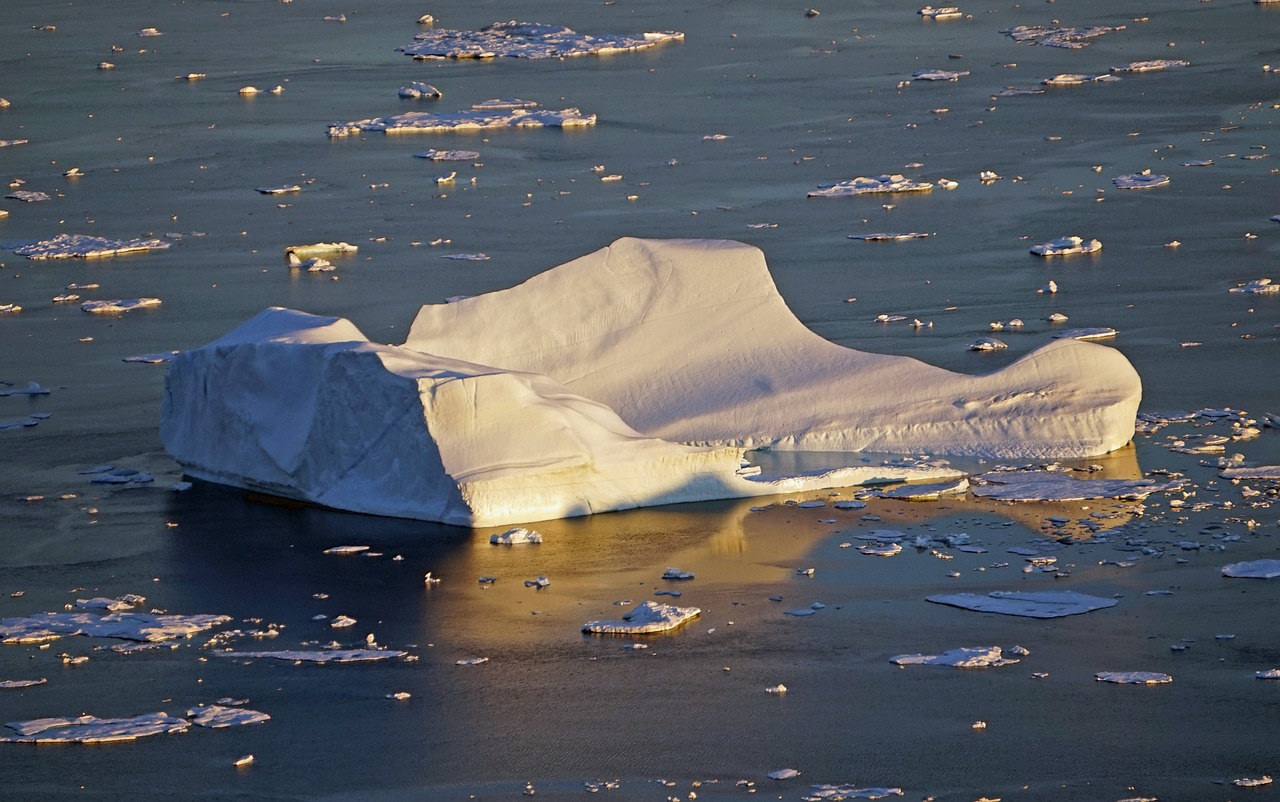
118 306
988 344
14 684
528 40
1252 782
218 716
28 196
302 252
10 308
945 12
1134 677
93 730
1038 604
838 793
1152 65
143 627
282 189
784 774
938 75
966 657
863 185
471 661
320 656
1094 333
515 535
1067 246
84 246
883 237
676 575
417 90
1261 286
448 155
645 618
881 550
1057 486
1254 569
467 120
931 491
988 176
1143 180
1070 38
1076 79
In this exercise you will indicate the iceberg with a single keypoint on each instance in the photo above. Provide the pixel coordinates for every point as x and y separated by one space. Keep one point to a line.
634 376
531 40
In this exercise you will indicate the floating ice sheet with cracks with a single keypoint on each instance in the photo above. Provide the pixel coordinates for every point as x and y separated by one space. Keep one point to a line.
1038 604
643 619
966 657
84 246
530 40
147 627
1056 486
1255 569
321 655
91 729
864 185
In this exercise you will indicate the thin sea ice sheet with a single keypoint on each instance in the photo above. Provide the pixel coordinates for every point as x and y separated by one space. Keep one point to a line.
145 627
321 656
529 40
965 657
1038 604
1255 569
92 730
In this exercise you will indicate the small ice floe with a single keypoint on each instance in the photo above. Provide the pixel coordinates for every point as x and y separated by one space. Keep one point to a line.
447 179
448 155
1255 569
803 612
1057 486
316 264
93 730
13 684
1065 37
987 344
282 189
805 571
118 306
1252 782
32 389
966 657
345 550
1076 79
417 90
149 32
1095 333
1133 677
1152 65
885 237
466 257
1066 246
850 505
842 792
676 575
302 252
1013 325
884 550
504 103
400 696
116 605
84 246
217 716
342 621
471 661
249 91
158 358
784 774
320 656
144 627
947 183
938 75
644 618
191 76
1260 472
945 12
1143 180
467 120
1048 289
539 583
1261 286
929 491
1039 604
1270 673
28 196
516 535
863 185
528 40
9 143
778 689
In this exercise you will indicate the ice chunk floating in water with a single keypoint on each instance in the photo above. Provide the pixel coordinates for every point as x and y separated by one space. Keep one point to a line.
1042 604
644 618
531 40
467 120
967 657
603 402
83 246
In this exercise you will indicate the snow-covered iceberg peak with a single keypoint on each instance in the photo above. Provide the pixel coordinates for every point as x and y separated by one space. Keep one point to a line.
689 341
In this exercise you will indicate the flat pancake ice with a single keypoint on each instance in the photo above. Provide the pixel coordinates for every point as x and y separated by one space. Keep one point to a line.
1067 246
118 306
84 246
836 793
415 122
863 185
320 656
146 627
966 657
1039 604
645 618
516 535
1057 486
531 40
1134 677
218 716
1255 569
1143 180
92 730
662 362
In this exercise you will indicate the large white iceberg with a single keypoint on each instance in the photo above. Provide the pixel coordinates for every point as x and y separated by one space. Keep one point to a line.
633 376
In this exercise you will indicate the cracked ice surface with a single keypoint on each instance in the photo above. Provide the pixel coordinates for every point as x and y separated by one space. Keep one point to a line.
531 40
644 618
321 656
467 120
217 716
1067 246
1040 604
93 730
147 627
84 246
967 657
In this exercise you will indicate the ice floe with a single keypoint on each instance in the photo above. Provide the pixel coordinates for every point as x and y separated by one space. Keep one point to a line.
531 40
1038 604
1092 333
965 657
1143 180
516 535
882 237
1134 677
1076 79
1067 246
492 431
1261 286
1071 38
118 306
320 655
988 344
944 12
417 90
319 249
1252 782
1271 472
1270 673
448 155
146 627
279 189
646 617
93 730
1254 569
13 684
938 75
466 120
28 196
218 716
1152 65
928 491
84 246
1059 486
838 793
863 185
784 774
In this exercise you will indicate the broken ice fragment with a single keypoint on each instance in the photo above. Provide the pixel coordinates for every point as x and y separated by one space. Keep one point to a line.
28 196
945 12
966 657
1134 677
938 75
1262 286
516 535
539 583
1255 569
84 246
147 627
10 684
928 491
1143 180
448 155
529 40
1041 604
1075 79
1270 673
472 661
675 574
1066 246
644 618
784 774
987 344
776 689
279 190
1064 37
862 185
1252 782
1054 486
419 91
466 257
881 237
345 550
217 716
1151 66
1094 333
91 729
118 305
467 120
885 550
342 621
325 656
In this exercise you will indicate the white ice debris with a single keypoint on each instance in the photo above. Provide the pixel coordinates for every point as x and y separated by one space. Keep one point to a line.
531 40
882 237
988 344
1252 782
1143 180
1058 486
1262 286
1076 78
1134 677
1092 333
938 75
218 716
13 684
784 774
881 550
1270 673
489 430
279 189
93 730
930 491
644 618
84 246
1255 569
1067 246
945 12
863 185
302 252
118 306
1151 66
345 550
146 627
320 656
417 90
1039 604
342 621
965 657
516 535
838 793
1259 472
466 120
1065 37
28 196
471 661
448 155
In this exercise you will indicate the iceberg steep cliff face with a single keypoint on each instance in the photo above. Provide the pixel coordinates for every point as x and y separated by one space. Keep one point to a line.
636 377
689 340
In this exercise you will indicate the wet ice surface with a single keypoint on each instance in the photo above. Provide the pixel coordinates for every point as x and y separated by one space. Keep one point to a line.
84 246
528 40
966 657
1036 604
466 120
643 619
118 305
1134 677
